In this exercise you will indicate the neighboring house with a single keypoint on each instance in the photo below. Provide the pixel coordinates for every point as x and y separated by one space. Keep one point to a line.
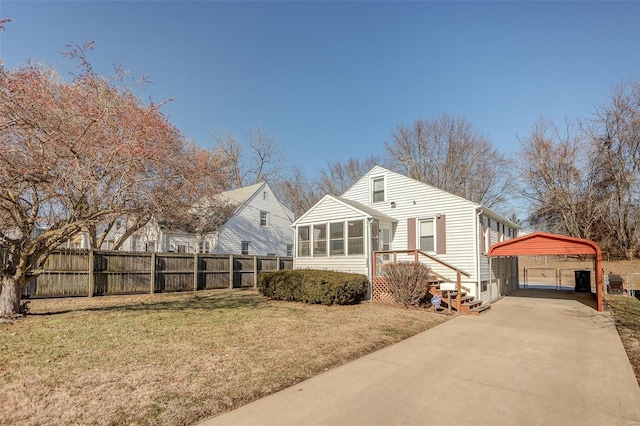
259 225
386 211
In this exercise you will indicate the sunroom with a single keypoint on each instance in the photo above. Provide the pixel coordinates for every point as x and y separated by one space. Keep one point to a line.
340 235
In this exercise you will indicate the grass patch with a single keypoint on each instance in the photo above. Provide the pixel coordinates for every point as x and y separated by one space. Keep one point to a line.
626 313
177 358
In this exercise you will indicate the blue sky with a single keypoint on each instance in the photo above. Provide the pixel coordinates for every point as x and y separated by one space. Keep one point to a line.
330 80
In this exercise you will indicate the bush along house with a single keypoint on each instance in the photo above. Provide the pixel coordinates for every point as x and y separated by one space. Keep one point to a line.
386 217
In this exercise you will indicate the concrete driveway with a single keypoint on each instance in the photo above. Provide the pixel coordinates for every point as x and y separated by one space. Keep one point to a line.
530 360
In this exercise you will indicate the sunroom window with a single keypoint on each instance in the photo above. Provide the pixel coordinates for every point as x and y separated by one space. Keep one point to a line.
303 241
356 236
320 240
336 238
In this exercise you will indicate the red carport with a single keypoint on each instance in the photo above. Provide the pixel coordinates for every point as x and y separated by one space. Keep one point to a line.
542 243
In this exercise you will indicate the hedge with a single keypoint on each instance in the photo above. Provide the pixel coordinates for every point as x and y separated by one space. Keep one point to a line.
314 286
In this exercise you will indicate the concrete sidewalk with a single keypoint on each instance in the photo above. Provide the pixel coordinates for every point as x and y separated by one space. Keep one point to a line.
528 361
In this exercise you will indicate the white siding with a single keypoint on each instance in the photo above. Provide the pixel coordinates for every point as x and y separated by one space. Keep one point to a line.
353 264
326 211
244 225
414 199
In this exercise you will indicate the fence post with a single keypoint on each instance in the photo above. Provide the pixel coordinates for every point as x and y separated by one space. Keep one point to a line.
255 271
92 274
195 272
230 271
278 263
153 273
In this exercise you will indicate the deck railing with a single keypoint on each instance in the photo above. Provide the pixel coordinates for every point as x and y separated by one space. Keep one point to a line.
418 255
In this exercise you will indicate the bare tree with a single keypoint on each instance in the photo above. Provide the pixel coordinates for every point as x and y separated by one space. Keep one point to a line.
448 153
614 132
553 165
80 156
256 158
340 175
298 192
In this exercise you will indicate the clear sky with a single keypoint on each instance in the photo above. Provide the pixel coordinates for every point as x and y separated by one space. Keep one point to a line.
330 80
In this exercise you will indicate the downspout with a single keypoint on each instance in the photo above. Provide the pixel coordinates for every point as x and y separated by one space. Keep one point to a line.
369 253
477 257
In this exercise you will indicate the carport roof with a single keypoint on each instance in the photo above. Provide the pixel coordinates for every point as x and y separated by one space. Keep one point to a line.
542 243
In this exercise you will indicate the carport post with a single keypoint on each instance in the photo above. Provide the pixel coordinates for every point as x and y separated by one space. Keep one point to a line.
490 287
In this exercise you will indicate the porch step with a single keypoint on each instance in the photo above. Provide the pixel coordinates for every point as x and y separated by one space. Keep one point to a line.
479 309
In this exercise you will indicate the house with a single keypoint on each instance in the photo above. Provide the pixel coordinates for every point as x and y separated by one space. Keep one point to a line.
259 225
386 211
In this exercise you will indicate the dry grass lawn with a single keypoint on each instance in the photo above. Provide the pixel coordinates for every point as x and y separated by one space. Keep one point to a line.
626 312
177 358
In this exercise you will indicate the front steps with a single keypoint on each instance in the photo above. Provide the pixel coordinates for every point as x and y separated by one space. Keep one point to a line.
468 304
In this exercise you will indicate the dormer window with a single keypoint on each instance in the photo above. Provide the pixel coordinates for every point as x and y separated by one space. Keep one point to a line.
377 190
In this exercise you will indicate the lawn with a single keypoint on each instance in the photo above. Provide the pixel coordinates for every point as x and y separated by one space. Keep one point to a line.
626 313
177 358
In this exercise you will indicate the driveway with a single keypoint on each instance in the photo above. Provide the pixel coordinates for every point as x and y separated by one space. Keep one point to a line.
530 360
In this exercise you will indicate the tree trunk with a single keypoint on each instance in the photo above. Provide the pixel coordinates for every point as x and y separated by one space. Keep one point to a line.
10 293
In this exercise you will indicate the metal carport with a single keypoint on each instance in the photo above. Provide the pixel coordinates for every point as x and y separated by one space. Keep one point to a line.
542 243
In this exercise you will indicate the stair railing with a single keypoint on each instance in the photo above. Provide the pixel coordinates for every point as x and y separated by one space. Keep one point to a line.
416 255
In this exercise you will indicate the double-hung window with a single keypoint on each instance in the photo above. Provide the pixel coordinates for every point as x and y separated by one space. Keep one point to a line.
264 217
320 240
355 231
377 189
336 238
427 235
304 248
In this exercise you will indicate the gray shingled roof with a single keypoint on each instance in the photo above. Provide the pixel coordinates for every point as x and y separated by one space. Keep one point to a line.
240 195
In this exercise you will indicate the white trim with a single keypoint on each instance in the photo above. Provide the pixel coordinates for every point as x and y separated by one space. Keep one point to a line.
435 233
384 188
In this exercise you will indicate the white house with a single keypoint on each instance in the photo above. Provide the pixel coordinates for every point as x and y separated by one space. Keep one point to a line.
259 225
386 211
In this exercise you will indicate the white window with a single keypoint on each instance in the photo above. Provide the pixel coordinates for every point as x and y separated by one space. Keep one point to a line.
150 246
355 235
336 238
265 195
245 247
377 190
289 250
320 240
264 219
203 247
303 241
427 235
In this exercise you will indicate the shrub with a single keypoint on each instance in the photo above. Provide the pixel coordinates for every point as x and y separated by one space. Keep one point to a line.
314 286
408 282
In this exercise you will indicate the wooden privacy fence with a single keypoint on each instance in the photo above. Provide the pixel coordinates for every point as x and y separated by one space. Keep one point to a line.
92 273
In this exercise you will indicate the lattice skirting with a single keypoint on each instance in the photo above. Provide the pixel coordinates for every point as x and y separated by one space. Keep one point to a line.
381 291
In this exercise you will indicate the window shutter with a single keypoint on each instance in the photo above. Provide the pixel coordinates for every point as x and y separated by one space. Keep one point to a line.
441 234
411 233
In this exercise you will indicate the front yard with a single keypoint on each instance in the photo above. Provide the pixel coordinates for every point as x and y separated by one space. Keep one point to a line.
177 358
626 313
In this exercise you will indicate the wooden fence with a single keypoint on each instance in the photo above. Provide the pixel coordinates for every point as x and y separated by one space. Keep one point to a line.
92 273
